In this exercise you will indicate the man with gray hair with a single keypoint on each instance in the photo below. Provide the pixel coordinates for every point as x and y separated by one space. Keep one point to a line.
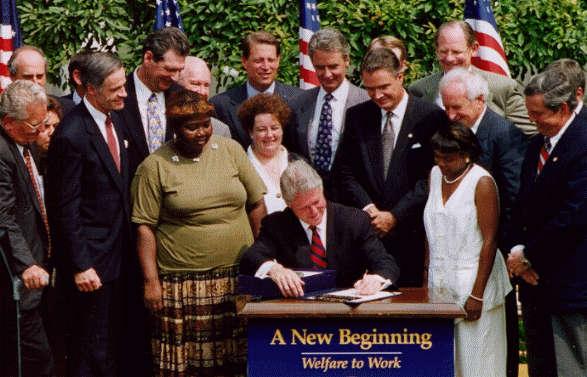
463 95
314 233
549 238
23 108
576 75
87 197
196 77
456 44
318 115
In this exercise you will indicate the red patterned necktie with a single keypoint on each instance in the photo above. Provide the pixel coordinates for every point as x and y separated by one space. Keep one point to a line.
544 153
318 252
29 165
112 142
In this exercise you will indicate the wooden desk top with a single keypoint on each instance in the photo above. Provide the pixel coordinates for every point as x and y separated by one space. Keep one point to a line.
412 303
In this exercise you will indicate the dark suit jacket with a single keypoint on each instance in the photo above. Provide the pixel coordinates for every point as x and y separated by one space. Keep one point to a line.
504 97
134 133
228 103
351 245
504 146
67 104
550 217
358 175
20 215
87 197
296 134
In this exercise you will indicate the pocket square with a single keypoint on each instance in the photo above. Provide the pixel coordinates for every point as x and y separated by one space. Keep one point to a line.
417 145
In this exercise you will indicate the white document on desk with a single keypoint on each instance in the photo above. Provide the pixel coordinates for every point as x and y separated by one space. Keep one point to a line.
350 296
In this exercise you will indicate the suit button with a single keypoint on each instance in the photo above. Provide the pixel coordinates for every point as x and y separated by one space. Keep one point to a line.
525 229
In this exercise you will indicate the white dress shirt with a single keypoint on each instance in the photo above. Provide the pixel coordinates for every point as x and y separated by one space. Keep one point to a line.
337 104
143 95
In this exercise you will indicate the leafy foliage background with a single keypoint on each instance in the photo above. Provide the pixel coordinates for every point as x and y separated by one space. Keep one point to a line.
534 32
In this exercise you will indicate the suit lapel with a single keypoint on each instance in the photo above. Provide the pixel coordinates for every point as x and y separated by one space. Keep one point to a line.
101 147
403 141
133 118
299 239
25 175
306 115
431 91
237 97
373 148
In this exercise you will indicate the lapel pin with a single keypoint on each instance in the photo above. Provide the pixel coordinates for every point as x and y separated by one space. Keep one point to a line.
555 159
410 136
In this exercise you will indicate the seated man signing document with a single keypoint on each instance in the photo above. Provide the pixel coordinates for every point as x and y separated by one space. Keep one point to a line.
314 233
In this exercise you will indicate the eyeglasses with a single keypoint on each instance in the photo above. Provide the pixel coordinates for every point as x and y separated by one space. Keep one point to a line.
37 126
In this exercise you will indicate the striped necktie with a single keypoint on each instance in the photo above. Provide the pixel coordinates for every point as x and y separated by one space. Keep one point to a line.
318 255
544 153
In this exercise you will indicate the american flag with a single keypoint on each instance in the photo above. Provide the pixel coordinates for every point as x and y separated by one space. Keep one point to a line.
10 39
479 15
167 15
309 24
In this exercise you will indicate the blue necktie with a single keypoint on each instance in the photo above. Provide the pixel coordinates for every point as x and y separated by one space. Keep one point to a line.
323 153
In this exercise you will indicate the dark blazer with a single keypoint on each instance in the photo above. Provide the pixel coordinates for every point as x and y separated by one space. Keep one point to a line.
504 146
134 132
228 103
303 106
351 245
87 198
358 175
296 134
21 216
550 217
67 104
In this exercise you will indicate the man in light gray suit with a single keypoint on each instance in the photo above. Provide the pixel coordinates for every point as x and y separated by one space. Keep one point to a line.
310 134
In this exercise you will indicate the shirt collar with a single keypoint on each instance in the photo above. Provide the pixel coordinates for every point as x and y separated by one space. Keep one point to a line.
321 226
98 116
478 121
338 94
399 111
553 140
579 107
251 92
144 93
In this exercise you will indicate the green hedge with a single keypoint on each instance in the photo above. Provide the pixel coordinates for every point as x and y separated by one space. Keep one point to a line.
534 32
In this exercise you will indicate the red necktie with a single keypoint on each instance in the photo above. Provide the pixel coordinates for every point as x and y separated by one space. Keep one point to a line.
29 165
544 153
112 142
318 255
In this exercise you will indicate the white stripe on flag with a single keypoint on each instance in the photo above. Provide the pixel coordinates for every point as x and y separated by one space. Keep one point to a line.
6 32
5 57
487 53
484 27
306 62
306 34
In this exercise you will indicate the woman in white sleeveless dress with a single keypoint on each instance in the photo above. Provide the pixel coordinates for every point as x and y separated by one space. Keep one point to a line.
461 219
263 117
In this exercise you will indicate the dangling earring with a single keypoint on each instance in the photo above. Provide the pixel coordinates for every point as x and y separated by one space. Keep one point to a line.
467 160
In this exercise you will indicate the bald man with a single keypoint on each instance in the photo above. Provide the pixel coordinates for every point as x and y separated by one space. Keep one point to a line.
29 63
196 77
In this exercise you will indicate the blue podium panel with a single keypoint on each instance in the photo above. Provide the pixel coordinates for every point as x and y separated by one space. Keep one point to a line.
348 347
